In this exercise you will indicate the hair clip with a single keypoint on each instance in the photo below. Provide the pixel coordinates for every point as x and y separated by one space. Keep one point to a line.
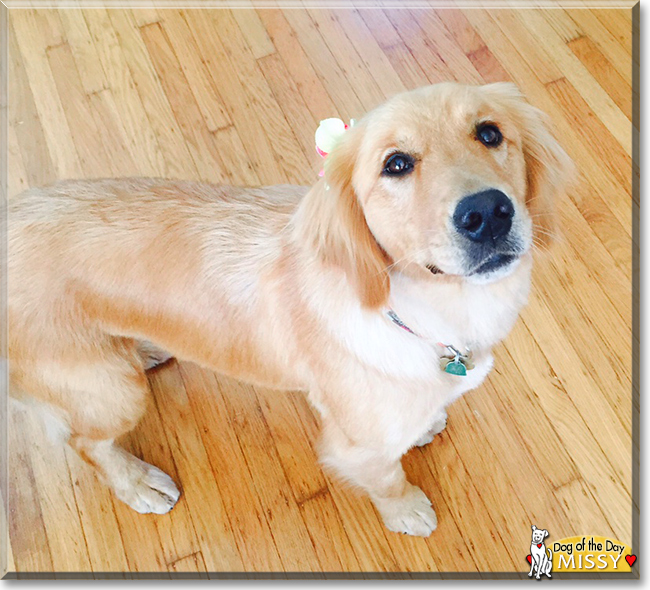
328 133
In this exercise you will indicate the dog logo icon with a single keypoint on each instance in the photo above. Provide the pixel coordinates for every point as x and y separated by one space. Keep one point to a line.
540 561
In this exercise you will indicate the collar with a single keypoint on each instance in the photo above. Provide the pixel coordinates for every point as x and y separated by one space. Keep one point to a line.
452 361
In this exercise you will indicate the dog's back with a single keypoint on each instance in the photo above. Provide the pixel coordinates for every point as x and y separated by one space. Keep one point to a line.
71 244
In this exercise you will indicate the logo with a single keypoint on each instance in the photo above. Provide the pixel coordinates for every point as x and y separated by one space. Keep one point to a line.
587 553
540 558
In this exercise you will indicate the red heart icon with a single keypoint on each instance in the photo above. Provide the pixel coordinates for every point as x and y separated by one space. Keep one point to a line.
630 559
529 559
539 545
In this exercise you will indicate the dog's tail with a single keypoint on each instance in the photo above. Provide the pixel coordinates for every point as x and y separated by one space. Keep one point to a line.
550 555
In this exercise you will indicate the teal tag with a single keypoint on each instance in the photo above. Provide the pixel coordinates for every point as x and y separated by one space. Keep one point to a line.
456 368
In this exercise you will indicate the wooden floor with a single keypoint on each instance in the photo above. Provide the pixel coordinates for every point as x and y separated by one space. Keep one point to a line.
235 97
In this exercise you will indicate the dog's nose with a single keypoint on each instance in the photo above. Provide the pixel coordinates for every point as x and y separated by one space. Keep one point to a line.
485 216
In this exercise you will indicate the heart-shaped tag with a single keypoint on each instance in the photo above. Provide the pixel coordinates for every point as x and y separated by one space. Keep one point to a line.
539 545
529 559
630 559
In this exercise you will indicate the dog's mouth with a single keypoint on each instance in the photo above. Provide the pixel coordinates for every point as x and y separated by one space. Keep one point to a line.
490 264
493 263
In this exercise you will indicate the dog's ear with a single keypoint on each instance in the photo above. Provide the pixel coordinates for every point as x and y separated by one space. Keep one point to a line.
545 533
534 528
337 225
549 170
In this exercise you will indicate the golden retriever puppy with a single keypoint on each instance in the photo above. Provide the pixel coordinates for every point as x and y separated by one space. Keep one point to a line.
380 290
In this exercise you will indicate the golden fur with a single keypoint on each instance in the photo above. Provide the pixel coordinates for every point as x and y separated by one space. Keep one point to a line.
283 286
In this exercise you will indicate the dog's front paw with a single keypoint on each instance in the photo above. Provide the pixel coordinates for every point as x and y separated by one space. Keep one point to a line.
439 424
411 513
425 439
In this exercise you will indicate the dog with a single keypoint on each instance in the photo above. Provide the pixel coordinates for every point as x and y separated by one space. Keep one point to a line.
540 561
380 291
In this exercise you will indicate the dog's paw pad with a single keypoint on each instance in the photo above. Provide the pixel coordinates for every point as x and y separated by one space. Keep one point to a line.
411 514
154 493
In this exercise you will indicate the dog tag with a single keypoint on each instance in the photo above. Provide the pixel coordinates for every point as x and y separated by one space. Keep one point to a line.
456 367
456 363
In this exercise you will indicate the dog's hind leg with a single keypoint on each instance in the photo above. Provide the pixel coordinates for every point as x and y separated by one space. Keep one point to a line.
143 487
118 395
102 392
549 564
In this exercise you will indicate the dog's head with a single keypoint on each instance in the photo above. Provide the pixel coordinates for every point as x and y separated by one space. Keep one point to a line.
539 534
444 180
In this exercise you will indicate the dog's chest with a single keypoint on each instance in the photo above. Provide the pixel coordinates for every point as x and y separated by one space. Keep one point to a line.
465 316
537 548
411 352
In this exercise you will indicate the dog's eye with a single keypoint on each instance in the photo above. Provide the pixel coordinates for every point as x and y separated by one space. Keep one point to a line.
398 165
489 135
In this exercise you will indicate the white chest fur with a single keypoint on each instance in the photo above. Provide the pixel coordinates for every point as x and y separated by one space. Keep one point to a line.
396 375
463 315
460 314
